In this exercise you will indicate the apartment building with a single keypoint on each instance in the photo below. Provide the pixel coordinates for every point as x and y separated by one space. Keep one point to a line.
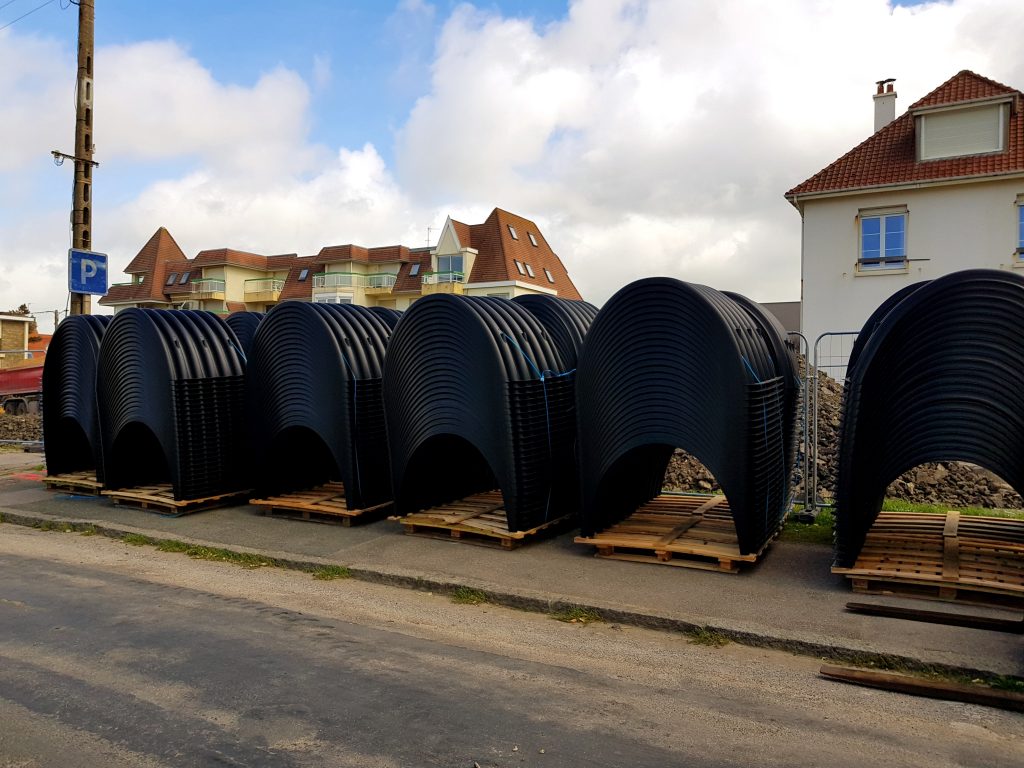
506 255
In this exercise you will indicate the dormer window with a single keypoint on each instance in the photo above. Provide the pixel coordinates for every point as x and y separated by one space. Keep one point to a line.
512 231
960 131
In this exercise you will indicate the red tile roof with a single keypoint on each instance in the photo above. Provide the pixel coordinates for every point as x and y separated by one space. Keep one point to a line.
293 289
405 282
498 252
889 157
153 262
229 256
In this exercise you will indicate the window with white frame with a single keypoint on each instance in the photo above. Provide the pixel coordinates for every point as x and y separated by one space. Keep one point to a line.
1020 227
519 267
512 231
529 270
533 240
883 240
449 263
547 274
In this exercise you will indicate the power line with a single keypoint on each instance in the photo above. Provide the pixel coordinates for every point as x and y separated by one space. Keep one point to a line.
5 26
7 3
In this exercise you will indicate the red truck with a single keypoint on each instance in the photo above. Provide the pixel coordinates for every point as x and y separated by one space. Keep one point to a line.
21 389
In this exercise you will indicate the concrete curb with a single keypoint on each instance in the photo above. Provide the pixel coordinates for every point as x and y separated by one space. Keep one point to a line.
508 599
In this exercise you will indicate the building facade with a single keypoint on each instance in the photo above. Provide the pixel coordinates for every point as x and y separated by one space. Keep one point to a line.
505 256
937 190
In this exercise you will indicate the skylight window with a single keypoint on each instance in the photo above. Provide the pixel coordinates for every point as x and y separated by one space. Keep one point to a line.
184 278
529 271
512 231
519 266
303 274
171 278
415 270
533 240
548 276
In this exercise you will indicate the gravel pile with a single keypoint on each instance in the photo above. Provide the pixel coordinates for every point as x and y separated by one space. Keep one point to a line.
29 427
956 484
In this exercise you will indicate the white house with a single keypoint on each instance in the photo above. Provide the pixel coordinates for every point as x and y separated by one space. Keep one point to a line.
939 189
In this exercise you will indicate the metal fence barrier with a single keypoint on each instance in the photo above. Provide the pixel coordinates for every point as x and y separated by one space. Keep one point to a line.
831 354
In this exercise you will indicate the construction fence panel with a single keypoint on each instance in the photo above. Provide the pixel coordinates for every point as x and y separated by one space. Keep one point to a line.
831 353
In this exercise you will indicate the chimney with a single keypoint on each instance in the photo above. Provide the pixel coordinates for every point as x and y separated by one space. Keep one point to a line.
885 103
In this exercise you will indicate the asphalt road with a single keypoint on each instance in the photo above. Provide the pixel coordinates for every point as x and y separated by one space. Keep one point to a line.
112 655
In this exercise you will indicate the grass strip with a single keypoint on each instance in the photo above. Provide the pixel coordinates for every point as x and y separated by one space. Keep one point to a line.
468 596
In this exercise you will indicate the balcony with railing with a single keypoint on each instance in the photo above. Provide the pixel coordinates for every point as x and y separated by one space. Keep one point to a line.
382 283
337 285
208 288
443 282
263 289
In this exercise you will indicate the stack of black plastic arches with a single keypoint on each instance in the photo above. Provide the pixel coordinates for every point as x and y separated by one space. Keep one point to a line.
566 322
388 315
478 397
668 365
936 377
71 431
244 324
171 399
316 404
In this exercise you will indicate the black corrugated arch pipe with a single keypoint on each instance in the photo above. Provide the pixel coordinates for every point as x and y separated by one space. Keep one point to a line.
170 394
316 407
71 430
244 324
478 397
936 379
566 321
667 365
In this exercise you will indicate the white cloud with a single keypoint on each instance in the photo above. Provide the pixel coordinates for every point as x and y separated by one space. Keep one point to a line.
644 137
668 132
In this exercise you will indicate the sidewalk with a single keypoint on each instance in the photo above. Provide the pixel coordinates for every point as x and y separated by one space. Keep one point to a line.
790 600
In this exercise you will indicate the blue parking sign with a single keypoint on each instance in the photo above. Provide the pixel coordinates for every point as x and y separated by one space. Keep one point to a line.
87 272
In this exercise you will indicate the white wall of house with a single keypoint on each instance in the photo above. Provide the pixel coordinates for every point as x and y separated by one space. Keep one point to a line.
949 227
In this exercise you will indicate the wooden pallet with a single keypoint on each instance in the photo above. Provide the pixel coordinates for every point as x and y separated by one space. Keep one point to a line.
685 530
160 499
322 504
944 557
82 483
476 519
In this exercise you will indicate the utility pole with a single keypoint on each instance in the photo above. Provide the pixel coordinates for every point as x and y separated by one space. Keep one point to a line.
81 216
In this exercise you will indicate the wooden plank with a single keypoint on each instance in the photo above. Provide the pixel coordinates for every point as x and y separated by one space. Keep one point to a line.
685 531
160 499
951 547
321 504
942 557
479 519
75 482
1011 626
934 689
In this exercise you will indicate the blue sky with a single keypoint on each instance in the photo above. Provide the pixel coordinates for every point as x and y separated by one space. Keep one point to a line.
643 136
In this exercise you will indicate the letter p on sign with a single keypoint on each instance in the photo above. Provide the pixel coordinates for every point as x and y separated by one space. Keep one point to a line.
87 272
